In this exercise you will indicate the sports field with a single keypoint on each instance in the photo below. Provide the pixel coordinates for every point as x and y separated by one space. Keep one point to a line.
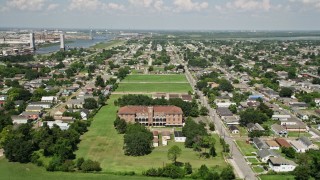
102 143
176 83
155 78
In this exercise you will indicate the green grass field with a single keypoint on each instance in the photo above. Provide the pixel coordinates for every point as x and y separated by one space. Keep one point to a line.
276 177
154 87
108 45
257 169
297 134
102 143
245 148
17 171
253 160
155 78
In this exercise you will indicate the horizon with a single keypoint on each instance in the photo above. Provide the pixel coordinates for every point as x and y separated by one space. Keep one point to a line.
171 15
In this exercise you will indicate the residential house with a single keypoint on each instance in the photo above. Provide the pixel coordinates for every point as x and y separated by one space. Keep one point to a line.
224 104
231 120
61 125
166 135
224 112
259 143
155 141
254 127
43 105
19 119
186 97
298 146
265 154
273 144
31 115
75 103
31 108
178 137
280 117
84 113
317 101
304 140
298 105
255 97
279 130
234 129
49 99
294 125
279 164
282 142
3 99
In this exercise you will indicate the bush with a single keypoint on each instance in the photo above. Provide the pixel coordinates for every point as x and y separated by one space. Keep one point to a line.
188 168
79 163
67 166
173 171
89 165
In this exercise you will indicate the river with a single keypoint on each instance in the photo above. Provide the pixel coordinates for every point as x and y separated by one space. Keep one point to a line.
76 43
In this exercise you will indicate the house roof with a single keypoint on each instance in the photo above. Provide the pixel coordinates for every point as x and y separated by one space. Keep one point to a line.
305 141
260 143
267 152
165 133
282 142
222 111
232 128
278 128
298 145
281 161
272 143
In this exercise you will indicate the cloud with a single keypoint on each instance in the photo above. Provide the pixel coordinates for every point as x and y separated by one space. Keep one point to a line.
188 5
142 3
309 3
249 5
85 5
158 5
29 5
114 6
52 7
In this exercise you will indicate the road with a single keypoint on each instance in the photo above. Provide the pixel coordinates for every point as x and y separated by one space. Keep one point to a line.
242 168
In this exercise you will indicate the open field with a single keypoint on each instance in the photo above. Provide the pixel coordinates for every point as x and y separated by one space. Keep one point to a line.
257 169
102 143
276 177
253 160
245 148
154 87
17 171
155 78
108 45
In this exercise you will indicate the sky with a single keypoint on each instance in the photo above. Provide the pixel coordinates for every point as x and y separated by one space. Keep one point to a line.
162 14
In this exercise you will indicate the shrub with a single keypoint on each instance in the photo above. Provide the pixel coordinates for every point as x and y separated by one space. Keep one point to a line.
89 165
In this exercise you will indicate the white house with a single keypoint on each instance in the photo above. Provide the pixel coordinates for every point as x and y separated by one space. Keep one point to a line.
317 101
225 104
234 129
299 146
19 119
49 99
279 164
265 154
280 117
178 137
62 125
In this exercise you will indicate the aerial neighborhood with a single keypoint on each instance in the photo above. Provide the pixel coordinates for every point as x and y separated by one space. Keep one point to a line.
152 104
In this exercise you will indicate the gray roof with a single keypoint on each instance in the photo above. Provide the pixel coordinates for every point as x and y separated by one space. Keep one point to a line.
260 143
224 111
278 128
281 161
232 128
267 152
305 141
178 134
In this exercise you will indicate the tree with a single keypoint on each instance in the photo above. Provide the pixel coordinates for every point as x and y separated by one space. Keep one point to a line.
120 125
227 174
211 126
286 92
233 108
204 111
173 153
150 68
79 163
191 130
99 82
289 152
173 171
90 103
251 115
203 171
265 109
137 140
292 73
188 168
225 85
302 172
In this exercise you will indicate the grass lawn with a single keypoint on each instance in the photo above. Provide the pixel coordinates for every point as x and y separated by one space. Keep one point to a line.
243 131
156 78
276 177
253 160
257 169
17 171
155 87
297 134
108 45
102 143
246 149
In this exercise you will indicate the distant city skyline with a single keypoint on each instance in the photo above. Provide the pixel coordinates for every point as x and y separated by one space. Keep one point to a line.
162 14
